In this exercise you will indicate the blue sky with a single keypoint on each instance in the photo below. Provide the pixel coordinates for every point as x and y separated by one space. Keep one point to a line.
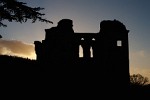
86 16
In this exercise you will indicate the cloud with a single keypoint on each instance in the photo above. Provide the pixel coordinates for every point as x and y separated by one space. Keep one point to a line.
17 48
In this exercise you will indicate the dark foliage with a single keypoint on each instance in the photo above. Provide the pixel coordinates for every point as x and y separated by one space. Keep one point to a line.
26 73
13 10
14 64
139 87
138 79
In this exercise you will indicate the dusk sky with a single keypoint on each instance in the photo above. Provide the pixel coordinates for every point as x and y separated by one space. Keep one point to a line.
18 38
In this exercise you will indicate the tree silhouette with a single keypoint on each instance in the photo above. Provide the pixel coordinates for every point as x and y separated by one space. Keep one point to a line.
13 10
138 79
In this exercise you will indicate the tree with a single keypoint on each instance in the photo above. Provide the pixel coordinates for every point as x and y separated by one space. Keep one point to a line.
138 79
13 10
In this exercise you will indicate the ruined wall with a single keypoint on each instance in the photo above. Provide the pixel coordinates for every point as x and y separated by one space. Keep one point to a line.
110 52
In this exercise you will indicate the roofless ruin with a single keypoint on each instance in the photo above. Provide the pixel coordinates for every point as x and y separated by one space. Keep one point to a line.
105 53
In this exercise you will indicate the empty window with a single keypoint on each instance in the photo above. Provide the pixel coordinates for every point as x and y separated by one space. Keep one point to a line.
91 52
93 39
119 43
82 38
80 51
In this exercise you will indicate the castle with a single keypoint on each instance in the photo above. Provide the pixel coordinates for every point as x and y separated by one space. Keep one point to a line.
105 53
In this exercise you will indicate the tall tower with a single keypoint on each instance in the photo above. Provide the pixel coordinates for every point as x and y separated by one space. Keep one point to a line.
112 53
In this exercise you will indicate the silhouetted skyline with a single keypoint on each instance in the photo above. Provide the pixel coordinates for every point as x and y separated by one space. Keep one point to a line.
58 56
86 16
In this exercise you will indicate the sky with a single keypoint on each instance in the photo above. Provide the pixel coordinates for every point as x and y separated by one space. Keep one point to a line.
18 38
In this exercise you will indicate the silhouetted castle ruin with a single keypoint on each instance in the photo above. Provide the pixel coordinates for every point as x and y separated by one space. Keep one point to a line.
105 53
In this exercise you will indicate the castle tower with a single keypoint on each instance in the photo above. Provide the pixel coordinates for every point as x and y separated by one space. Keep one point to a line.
111 53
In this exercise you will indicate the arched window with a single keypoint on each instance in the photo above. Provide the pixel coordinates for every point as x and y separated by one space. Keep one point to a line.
80 51
91 52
